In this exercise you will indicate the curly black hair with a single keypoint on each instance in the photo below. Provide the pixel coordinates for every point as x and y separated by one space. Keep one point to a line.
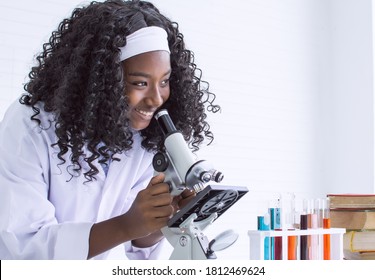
79 78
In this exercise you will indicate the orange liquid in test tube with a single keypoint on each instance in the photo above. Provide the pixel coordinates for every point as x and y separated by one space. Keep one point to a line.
288 208
292 247
326 240
326 225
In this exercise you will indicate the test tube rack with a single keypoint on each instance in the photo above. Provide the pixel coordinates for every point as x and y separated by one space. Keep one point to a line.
257 238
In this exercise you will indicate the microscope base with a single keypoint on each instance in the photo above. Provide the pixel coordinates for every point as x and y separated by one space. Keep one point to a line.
188 241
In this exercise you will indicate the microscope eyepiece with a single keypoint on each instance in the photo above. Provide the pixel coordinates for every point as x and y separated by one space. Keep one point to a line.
165 122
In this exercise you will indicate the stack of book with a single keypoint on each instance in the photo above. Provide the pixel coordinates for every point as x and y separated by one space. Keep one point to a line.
356 213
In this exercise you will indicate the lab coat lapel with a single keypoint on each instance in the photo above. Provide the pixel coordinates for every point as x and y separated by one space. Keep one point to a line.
122 176
114 195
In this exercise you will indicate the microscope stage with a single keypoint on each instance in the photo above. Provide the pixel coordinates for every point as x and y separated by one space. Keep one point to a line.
213 198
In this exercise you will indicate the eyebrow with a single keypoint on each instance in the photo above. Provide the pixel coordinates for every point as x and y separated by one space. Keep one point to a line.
142 74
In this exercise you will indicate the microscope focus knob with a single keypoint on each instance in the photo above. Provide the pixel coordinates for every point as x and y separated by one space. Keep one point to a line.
218 176
205 177
160 162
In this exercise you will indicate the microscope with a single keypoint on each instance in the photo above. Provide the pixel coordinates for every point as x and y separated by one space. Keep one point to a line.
182 170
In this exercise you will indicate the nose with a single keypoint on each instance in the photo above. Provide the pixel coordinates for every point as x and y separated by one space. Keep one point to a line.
154 97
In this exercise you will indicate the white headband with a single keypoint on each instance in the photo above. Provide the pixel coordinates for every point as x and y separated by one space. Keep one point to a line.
147 39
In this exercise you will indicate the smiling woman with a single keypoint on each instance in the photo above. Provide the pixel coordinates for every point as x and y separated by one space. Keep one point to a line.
147 79
77 147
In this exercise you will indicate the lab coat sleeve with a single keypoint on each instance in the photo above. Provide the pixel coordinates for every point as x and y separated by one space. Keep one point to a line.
154 252
28 226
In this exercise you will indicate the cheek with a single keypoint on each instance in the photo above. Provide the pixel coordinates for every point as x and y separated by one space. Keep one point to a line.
166 94
132 98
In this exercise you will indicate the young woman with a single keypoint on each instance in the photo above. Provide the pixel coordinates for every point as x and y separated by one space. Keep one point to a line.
76 176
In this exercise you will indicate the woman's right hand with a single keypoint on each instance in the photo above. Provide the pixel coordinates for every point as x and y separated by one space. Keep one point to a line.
149 212
151 209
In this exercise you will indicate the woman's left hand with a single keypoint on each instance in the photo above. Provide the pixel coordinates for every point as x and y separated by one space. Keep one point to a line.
183 199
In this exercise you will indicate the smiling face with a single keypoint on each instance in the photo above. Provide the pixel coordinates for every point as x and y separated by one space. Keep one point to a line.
147 85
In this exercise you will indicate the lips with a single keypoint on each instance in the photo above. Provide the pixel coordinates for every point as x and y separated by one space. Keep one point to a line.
147 114
140 118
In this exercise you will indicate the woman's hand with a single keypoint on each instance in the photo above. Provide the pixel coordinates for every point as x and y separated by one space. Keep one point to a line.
183 199
151 209
149 212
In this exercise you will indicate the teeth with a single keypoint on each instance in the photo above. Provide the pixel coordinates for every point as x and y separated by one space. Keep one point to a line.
148 114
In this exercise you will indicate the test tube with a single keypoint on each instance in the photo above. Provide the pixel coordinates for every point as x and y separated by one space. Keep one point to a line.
264 224
326 225
314 249
318 210
275 224
289 210
308 211
304 253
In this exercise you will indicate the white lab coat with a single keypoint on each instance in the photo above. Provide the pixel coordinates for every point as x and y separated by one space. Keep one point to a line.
47 214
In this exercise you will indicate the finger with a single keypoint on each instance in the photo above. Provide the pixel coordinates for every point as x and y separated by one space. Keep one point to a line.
177 198
183 202
163 199
159 178
159 188
161 222
176 207
163 211
187 193
176 201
